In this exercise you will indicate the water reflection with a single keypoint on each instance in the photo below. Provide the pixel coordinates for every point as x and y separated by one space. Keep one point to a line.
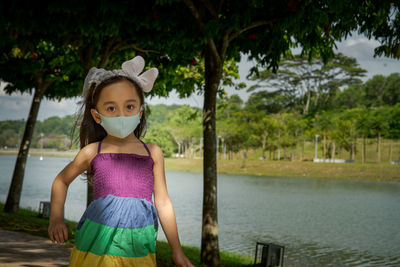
320 222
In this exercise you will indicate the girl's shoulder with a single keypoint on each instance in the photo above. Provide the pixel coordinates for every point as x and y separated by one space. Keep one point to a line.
91 148
155 151
89 151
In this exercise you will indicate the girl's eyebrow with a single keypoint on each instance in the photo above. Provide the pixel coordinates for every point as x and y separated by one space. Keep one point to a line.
108 102
112 102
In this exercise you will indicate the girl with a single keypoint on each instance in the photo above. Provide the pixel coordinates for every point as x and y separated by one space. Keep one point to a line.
119 228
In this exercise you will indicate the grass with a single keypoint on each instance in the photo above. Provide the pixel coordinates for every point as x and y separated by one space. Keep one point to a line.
384 172
28 221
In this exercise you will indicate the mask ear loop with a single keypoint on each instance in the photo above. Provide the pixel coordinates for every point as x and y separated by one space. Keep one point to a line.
145 129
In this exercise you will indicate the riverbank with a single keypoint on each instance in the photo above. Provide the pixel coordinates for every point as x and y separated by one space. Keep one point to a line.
44 153
27 221
382 172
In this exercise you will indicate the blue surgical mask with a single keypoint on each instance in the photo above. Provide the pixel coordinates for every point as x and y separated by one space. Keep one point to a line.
121 126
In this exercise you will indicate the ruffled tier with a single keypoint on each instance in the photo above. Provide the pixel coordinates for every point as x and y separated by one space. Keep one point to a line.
88 259
116 231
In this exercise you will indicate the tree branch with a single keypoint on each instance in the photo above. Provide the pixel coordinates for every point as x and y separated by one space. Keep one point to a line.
225 43
254 25
107 52
196 15
210 8
221 3
86 56
119 44
135 47
202 26
214 50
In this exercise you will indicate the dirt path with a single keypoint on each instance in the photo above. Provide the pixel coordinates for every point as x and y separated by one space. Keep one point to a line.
21 249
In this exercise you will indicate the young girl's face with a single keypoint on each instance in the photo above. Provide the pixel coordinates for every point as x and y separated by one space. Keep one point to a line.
117 99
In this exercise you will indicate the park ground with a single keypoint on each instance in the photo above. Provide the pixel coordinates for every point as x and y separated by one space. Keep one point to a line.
24 242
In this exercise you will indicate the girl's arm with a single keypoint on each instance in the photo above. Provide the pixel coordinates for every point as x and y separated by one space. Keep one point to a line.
165 209
58 231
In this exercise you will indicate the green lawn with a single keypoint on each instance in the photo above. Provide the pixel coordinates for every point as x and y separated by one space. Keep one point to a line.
345 171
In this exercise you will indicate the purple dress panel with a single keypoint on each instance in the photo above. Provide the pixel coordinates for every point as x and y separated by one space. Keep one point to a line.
123 175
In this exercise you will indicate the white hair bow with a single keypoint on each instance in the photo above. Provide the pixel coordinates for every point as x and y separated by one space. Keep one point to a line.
130 69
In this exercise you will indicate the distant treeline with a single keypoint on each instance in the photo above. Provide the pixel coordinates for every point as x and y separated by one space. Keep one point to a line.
55 132
343 121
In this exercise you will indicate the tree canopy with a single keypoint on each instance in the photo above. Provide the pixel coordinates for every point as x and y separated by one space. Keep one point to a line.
306 84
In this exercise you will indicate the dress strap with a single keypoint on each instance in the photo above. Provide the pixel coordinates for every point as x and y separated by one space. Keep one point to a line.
99 147
145 146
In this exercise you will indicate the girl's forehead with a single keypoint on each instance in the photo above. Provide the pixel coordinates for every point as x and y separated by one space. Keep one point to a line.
119 91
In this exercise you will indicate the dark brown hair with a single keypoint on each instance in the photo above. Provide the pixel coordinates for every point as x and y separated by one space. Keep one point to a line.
89 130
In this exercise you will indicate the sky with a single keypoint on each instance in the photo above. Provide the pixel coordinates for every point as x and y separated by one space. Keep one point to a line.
16 106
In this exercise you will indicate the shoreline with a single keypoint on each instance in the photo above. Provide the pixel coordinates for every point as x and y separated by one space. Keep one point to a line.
378 172
383 172
45 153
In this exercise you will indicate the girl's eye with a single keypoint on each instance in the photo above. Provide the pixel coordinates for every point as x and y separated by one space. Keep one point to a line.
130 107
111 109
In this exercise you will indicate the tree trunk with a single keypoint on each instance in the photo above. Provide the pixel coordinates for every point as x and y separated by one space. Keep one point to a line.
264 141
14 193
378 148
279 145
333 151
324 156
224 150
364 153
305 108
186 150
209 240
390 149
352 153
302 149
316 99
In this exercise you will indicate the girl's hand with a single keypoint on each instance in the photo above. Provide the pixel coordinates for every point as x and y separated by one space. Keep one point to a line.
58 232
181 260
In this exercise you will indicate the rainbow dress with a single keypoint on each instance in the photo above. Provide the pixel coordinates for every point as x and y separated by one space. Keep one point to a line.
119 228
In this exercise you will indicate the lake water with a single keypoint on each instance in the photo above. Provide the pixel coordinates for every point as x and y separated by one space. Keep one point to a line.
320 222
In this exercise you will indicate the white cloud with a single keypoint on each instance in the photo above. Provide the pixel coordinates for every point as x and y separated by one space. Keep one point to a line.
360 48
16 106
173 98
61 105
